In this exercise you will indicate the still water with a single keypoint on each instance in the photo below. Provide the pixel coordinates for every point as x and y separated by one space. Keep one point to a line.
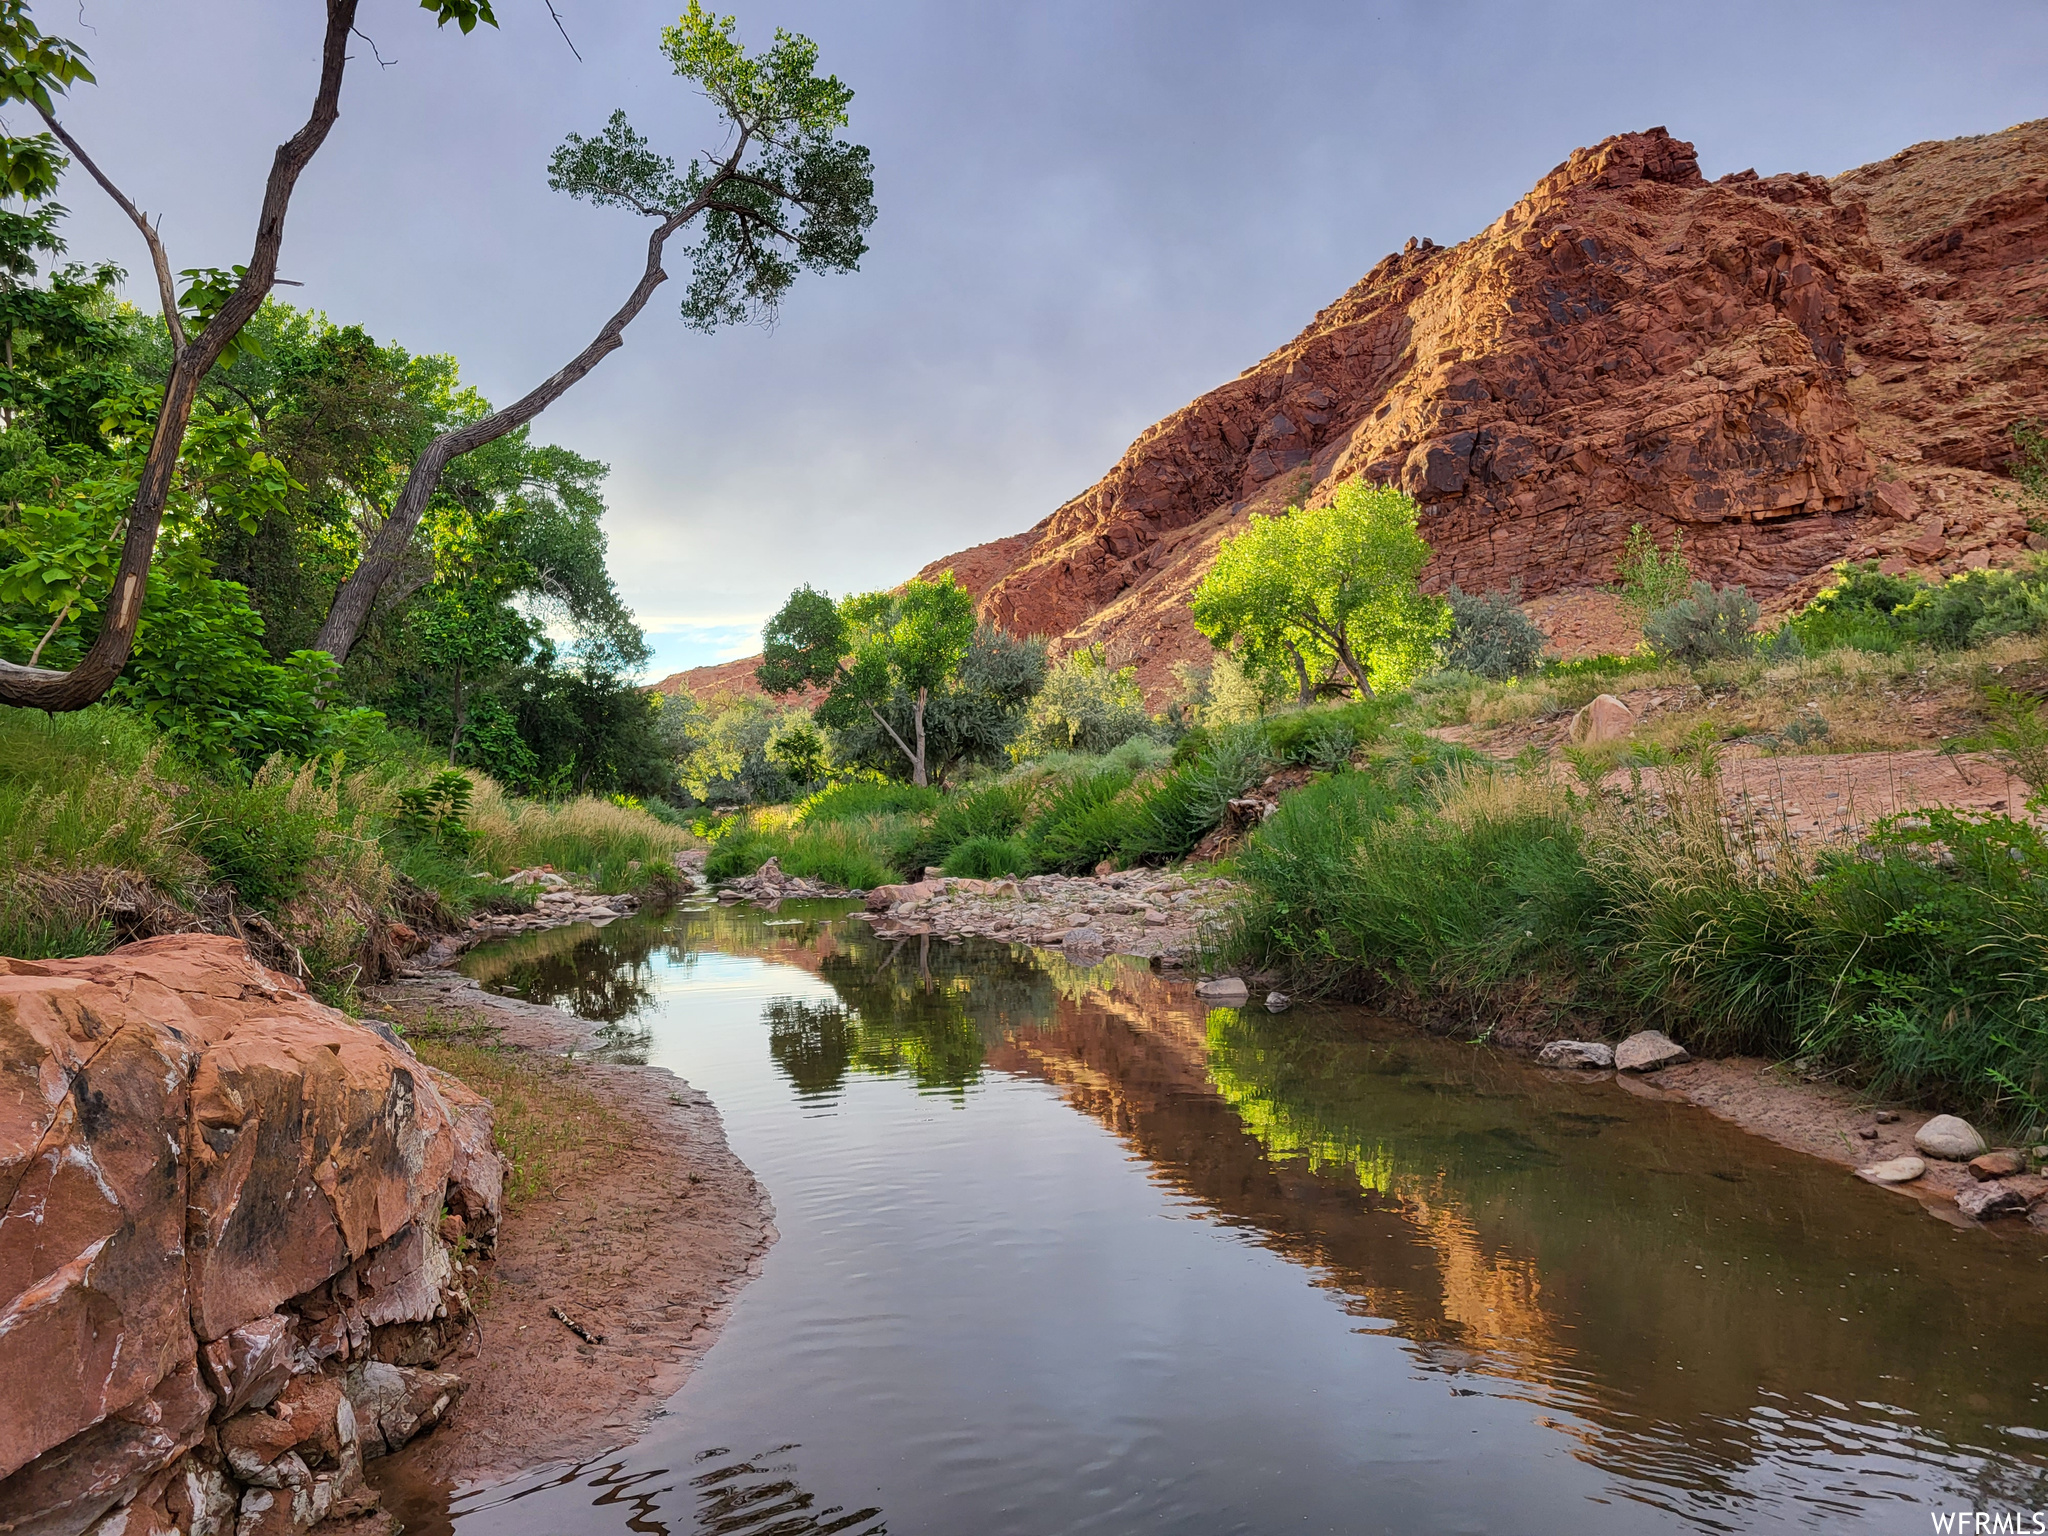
1068 1251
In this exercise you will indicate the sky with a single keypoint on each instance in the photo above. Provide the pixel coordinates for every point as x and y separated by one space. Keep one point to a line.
1089 214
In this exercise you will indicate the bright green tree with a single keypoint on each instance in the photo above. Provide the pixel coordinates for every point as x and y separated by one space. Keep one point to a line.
1335 582
866 650
203 320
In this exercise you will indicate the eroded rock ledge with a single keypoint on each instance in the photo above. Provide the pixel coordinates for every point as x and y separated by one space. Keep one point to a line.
234 1228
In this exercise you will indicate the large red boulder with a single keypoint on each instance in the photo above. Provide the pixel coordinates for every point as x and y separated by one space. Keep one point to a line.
191 1148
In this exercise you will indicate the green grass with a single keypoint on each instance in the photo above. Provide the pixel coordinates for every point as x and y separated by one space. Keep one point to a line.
107 833
1915 964
989 858
864 798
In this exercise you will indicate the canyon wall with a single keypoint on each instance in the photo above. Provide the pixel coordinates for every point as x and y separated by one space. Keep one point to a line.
1785 370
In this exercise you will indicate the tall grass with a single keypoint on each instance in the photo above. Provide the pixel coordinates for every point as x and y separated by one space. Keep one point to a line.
1915 963
615 847
106 834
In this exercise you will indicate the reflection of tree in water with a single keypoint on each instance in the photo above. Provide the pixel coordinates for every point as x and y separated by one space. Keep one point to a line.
912 1008
760 1497
602 974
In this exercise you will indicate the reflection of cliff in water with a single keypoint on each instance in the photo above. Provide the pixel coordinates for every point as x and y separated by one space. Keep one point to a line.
1678 1286
1675 1282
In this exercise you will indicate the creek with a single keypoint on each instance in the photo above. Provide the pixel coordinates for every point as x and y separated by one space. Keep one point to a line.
1066 1250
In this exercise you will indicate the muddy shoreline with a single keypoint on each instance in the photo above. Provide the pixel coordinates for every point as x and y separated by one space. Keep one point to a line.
646 1253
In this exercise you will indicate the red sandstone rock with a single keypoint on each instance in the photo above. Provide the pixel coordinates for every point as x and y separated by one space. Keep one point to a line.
1789 371
188 1141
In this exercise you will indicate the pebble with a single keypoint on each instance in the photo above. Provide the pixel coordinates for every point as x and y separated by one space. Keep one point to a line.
1949 1137
1278 1002
1899 1170
1887 1117
1589 1055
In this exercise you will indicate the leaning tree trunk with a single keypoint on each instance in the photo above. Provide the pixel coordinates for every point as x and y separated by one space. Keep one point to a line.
1351 665
350 610
88 682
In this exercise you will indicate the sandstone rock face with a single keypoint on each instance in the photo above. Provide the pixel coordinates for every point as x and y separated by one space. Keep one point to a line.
1786 370
210 1185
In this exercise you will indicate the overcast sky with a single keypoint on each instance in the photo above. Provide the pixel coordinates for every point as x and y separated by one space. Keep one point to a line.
1090 213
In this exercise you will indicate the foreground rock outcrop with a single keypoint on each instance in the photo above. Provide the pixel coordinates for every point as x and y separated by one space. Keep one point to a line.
229 1227
1789 370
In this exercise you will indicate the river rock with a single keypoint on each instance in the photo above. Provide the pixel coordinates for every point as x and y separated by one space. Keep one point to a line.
1229 990
1999 1164
1985 1201
1586 1054
1949 1137
1605 719
1899 1170
1647 1050
1083 941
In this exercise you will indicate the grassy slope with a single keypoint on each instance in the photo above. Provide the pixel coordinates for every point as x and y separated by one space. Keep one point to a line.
107 835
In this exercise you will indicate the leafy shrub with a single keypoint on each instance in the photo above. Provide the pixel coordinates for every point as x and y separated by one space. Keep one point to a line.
438 811
1707 626
1651 579
255 841
1085 706
1491 636
1596 667
989 858
1188 804
1858 610
1326 738
866 797
1976 607
1084 821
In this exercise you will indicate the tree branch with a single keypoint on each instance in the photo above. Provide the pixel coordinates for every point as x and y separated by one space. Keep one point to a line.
39 688
167 291
356 596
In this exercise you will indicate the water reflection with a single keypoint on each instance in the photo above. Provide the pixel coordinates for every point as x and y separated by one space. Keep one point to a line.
1720 1332
756 1495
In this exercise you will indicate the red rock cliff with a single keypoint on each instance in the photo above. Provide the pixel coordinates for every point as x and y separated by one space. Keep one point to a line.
1786 369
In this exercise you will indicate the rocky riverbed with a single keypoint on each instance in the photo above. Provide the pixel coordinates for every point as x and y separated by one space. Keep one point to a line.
1153 914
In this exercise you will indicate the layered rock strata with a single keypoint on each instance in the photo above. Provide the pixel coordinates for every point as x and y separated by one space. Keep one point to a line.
1785 370
230 1221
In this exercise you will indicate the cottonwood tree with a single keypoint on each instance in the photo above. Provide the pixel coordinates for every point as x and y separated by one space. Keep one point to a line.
866 650
784 194
1336 581
203 320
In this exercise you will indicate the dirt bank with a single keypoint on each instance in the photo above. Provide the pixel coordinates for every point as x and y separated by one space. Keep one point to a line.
645 1246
